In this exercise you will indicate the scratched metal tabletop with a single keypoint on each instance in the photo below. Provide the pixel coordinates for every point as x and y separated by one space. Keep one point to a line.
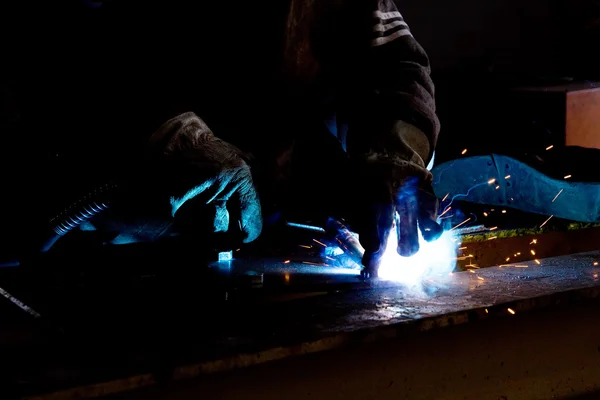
152 340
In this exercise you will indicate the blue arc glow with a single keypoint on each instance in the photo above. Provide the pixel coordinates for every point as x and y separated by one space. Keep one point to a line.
435 258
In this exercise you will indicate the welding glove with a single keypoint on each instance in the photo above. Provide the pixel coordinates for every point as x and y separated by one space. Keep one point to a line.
202 176
395 193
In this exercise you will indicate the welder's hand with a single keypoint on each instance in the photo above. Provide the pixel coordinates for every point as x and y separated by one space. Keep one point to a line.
203 175
395 187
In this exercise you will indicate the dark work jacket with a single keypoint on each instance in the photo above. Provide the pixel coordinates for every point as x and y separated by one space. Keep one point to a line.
94 83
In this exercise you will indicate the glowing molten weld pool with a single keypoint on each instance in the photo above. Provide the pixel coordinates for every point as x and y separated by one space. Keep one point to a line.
433 259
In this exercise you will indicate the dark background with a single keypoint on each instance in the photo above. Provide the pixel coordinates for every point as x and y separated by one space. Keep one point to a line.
478 49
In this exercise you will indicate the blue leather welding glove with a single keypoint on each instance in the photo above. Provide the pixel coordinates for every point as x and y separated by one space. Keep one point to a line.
395 193
202 174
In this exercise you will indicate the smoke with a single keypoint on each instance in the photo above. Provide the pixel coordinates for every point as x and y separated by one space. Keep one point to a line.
434 259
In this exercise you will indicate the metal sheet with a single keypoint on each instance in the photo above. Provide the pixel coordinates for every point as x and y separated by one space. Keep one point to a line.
256 333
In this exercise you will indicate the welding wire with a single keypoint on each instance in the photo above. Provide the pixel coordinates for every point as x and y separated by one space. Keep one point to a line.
19 303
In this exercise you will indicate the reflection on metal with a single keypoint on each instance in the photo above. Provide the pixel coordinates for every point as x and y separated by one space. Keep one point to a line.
20 304
225 256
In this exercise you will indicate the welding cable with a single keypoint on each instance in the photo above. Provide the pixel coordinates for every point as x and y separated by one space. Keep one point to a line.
87 207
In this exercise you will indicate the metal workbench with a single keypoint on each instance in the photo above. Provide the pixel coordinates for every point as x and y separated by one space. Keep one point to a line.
463 327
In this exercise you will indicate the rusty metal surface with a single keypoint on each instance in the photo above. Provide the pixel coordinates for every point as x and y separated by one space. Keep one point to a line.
583 118
258 333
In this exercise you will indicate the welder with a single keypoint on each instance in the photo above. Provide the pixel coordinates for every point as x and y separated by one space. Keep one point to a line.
241 98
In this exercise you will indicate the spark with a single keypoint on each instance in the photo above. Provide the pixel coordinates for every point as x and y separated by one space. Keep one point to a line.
471 271
485 214
486 311
507 259
462 248
557 194
503 211
518 253
237 249
480 278
286 262
447 216
550 147
546 221
537 261
497 187
463 152
568 176
322 244
534 241
462 223
493 237
510 310
521 266
595 263
493 228
446 210
491 181
472 266
287 278
306 247
446 196
507 177
532 252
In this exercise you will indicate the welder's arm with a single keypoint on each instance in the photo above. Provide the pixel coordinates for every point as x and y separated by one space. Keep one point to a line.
393 135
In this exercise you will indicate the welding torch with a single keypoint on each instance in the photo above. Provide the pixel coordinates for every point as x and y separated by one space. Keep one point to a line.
346 240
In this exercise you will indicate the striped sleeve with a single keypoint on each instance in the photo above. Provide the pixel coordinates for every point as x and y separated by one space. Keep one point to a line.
387 27
398 109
